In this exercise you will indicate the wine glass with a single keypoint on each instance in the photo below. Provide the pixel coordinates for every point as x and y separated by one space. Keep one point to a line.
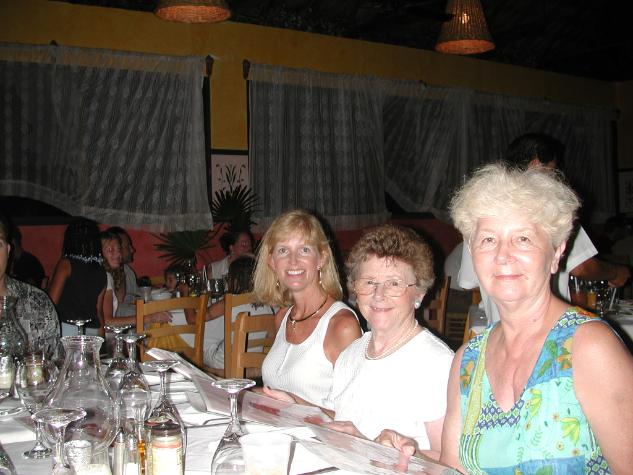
58 419
604 296
163 407
34 379
217 288
118 366
134 390
229 456
80 324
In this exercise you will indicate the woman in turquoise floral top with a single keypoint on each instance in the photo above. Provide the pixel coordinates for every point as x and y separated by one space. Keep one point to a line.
548 389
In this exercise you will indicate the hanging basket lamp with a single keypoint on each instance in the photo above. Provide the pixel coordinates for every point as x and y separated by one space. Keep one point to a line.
466 32
193 11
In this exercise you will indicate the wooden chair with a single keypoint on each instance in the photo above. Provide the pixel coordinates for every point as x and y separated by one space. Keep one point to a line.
242 359
435 313
194 354
476 296
230 301
468 333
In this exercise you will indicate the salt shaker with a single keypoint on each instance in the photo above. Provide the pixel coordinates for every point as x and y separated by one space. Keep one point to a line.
131 459
118 453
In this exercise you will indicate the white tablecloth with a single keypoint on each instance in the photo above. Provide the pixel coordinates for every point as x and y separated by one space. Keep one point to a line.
16 438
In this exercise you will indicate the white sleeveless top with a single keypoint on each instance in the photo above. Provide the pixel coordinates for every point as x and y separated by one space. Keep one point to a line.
302 369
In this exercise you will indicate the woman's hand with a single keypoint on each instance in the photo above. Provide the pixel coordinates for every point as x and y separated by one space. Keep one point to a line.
405 445
279 395
391 438
346 427
159 317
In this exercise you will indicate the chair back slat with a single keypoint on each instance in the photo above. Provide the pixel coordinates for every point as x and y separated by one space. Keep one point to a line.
242 358
166 330
231 301
435 313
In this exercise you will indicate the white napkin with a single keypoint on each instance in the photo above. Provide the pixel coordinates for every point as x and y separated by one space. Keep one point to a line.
184 368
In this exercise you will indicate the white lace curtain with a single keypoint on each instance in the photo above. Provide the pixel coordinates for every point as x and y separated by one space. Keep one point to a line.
435 136
336 143
315 142
114 136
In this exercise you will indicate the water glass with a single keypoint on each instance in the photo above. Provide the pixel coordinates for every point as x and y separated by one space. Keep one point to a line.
266 453
78 453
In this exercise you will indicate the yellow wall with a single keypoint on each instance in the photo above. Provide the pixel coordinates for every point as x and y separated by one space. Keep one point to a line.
40 21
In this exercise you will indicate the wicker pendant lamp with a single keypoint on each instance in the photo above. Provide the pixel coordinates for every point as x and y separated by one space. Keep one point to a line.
193 11
466 32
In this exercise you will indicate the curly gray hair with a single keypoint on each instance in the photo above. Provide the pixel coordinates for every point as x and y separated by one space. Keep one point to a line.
498 190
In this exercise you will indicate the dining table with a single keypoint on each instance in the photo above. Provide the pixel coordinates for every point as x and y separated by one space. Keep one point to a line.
205 413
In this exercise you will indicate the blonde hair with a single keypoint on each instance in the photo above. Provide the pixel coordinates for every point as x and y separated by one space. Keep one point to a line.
393 242
498 190
265 282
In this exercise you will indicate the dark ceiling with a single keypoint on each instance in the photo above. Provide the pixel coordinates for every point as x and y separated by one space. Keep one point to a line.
585 38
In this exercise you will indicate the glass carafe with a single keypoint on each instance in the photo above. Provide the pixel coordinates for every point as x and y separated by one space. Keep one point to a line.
13 338
81 384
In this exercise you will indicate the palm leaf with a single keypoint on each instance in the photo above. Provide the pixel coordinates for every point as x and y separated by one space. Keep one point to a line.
181 246
236 204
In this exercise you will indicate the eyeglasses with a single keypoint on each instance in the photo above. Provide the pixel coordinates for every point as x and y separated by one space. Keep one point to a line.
392 287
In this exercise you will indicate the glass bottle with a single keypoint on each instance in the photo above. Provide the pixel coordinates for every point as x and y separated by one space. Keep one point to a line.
81 384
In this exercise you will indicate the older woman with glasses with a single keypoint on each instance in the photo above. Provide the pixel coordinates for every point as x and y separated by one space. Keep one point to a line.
395 376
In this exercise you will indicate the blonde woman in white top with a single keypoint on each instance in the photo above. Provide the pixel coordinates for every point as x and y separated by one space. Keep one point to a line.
296 272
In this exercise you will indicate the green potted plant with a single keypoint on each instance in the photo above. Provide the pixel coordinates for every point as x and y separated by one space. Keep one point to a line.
232 206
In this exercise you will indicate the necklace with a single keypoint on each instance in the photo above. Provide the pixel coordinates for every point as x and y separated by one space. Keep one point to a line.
392 349
293 321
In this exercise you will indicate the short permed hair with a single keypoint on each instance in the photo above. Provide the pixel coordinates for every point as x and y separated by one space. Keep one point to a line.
393 242
309 227
498 190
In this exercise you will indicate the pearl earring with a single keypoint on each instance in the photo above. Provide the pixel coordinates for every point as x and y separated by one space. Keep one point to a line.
417 304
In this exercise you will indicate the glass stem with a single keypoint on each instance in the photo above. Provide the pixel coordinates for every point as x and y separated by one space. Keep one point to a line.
118 346
131 350
234 427
58 456
163 385
38 436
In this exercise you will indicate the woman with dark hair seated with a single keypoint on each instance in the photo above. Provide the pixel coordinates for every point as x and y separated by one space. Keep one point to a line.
79 280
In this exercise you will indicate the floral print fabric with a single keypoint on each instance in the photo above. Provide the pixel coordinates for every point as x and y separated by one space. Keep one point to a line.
545 432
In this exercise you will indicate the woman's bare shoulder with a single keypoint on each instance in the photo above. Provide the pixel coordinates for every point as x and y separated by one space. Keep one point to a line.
344 320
